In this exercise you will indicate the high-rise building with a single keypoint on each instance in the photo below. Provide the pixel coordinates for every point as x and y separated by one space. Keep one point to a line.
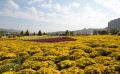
114 24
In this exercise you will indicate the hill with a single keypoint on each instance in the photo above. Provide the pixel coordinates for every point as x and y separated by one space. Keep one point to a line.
9 30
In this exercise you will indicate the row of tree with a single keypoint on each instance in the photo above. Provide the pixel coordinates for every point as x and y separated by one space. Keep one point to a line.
68 33
95 32
106 32
27 33
65 33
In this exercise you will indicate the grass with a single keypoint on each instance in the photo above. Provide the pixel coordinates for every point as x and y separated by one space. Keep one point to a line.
35 37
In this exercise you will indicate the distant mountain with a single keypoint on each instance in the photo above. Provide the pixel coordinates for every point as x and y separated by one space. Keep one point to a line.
82 31
9 30
87 31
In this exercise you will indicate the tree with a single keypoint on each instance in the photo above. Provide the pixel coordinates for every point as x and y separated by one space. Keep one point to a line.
34 34
44 33
114 31
57 34
21 33
0 36
67 33
39 33
100 32
103 32
71 33
27 33
95 32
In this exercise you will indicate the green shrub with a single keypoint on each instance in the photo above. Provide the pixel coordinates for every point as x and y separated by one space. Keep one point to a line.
9 67
104 52
22 56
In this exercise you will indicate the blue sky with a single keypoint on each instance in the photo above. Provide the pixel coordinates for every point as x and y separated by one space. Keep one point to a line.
57 15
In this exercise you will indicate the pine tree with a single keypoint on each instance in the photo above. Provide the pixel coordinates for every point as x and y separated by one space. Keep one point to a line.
34 34
44 33
27 33
95 32
67 33
39 33
21 33
71 33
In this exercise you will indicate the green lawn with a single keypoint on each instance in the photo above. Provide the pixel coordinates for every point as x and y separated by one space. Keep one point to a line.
36 37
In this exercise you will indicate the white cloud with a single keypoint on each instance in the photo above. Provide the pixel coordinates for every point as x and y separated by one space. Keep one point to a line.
10 4
76 4
34 1
62 9
46 5
111 5
40 1
33 10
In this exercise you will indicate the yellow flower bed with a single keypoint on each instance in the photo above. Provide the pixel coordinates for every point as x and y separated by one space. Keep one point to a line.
87 55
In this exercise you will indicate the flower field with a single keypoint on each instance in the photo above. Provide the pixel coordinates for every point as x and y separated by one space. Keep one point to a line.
85 55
